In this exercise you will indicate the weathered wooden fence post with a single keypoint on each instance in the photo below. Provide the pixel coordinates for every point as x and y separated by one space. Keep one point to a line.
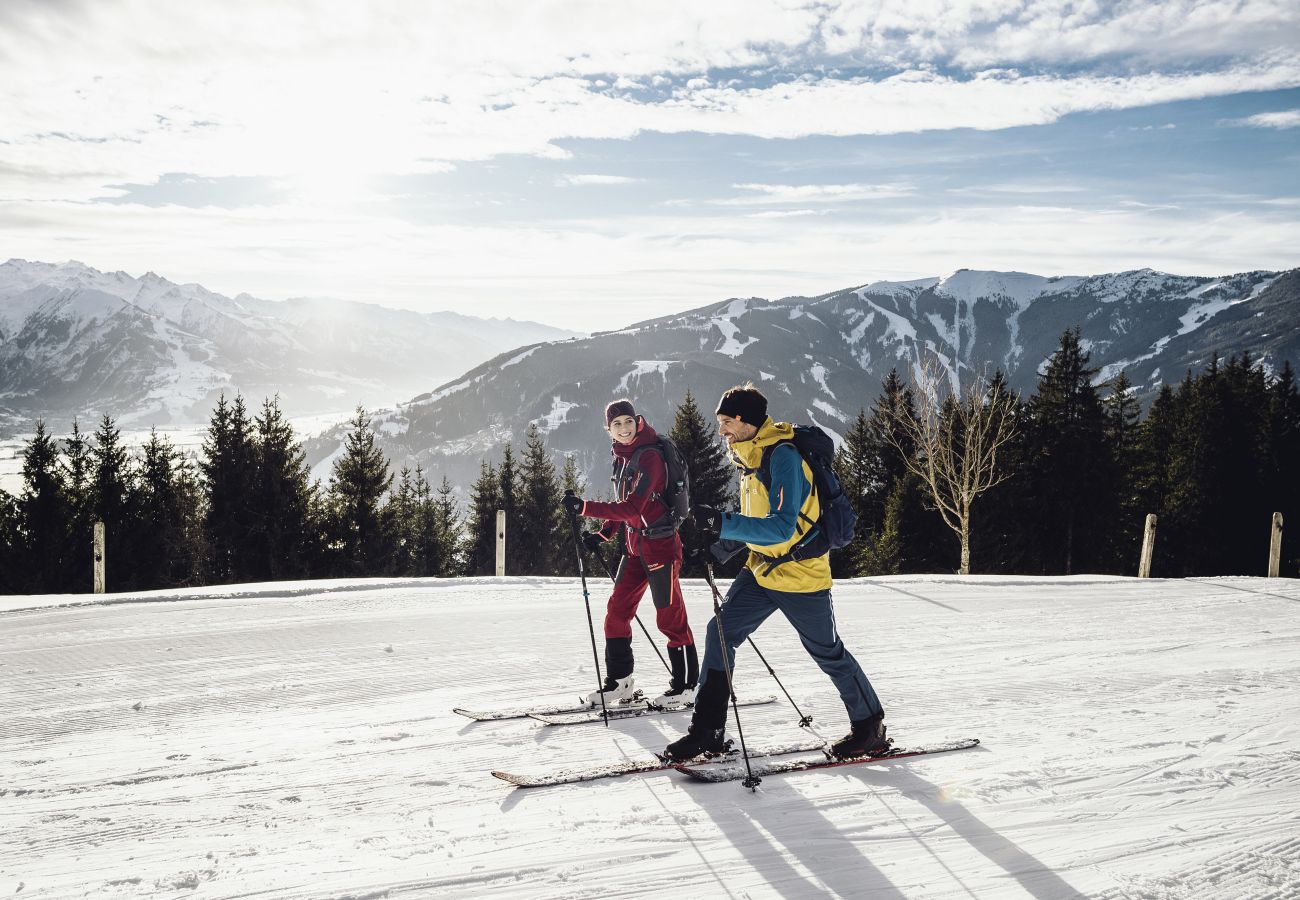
100 562
1275 547
501 543
1148 546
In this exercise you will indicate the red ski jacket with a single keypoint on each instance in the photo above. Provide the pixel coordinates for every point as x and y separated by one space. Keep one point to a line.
638 504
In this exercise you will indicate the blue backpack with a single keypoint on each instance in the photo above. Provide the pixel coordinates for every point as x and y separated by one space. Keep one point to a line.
835 526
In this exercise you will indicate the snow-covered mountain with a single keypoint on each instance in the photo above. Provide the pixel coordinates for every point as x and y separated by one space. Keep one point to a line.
77 341
821 359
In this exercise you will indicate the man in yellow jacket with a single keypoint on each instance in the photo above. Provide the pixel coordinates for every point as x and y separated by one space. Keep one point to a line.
772 521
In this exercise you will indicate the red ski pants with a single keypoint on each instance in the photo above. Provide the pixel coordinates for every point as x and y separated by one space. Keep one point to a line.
634 576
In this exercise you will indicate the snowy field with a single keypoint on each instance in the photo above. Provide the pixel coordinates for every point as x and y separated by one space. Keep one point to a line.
1140 740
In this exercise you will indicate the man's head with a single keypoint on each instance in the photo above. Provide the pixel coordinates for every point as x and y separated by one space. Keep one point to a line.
741 412
620 421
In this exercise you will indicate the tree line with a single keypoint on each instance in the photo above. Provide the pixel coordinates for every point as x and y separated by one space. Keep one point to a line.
1213 458
1079 469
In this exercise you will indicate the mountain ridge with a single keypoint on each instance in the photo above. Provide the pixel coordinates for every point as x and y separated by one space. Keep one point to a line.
78 341
820 359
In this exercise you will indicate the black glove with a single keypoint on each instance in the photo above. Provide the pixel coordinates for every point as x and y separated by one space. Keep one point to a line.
707 519
572 504
592 541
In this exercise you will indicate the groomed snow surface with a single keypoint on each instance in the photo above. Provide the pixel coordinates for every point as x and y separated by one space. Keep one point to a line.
297 741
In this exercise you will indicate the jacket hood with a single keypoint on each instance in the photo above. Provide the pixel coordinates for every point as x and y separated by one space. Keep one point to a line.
644 435
748 454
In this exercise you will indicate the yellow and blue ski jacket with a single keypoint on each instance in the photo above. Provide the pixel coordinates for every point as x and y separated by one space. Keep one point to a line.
771 522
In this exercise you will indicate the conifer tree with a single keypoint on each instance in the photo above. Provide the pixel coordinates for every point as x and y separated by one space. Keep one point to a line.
444 528
479 554
540 517
280 547
1282 466
711 475
229 469
44 513
508 499
169 534
409 548
1122 430
1071 469
113 501
77 467
11 581
361 479
566 562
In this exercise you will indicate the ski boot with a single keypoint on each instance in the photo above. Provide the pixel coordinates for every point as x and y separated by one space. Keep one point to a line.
866 737
614 691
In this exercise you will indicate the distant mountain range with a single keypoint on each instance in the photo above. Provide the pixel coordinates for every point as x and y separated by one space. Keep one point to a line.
821 359
77 341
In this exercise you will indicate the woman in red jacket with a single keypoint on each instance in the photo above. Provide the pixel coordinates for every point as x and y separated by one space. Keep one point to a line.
653 559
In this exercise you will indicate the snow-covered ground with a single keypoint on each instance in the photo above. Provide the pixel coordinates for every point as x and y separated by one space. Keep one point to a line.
297 740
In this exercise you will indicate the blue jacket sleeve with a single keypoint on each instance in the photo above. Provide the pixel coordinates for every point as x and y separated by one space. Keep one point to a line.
785 498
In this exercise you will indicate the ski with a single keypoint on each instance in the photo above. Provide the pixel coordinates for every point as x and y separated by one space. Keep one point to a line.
730 771
523 712
626 712
634 767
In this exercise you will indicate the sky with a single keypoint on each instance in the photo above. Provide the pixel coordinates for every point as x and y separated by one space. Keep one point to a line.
593 164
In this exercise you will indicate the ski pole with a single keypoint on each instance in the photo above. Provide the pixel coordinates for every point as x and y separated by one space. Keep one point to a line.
604 565
591 628
751 780
804 721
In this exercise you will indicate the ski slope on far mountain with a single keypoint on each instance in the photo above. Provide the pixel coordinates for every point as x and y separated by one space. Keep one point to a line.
296 740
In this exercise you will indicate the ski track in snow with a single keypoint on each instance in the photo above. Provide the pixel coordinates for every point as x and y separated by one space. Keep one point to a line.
297 741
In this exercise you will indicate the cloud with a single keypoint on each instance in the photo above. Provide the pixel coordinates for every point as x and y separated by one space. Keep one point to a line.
580 180
815 193
1289 118
610 271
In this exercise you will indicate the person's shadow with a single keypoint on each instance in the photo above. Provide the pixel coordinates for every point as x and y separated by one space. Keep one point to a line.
838 861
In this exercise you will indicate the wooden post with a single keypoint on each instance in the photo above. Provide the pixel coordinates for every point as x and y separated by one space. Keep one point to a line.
1275 547
501 543
1148 546
100 563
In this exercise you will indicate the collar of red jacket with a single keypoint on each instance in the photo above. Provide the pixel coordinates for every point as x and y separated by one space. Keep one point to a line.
644 435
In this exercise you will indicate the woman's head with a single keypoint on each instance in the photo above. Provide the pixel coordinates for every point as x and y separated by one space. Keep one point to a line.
620 421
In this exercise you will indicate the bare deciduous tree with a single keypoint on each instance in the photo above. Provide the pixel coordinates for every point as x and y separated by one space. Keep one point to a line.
957 436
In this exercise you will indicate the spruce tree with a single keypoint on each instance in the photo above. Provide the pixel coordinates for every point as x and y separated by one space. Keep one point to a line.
566 561
1071 467
281 493
44 513
78 465
11 574
113 501
711 476
1123 415
229 474
541 520
361 478
1283 463
168 540
479 554
404 516
444 529
508 498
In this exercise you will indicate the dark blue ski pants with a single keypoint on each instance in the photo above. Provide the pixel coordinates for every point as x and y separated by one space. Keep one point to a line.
748 605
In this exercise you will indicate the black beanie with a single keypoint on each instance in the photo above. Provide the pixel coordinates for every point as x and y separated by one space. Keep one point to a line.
618 408
745 403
